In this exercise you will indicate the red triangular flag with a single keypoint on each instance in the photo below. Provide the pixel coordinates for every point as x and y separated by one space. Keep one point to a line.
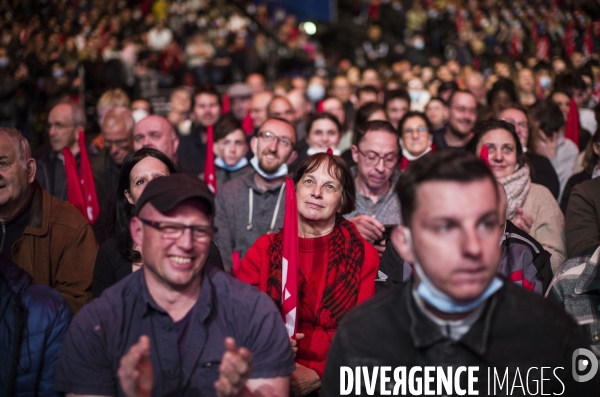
484 155
88 186
329 151
404 163
210 171
226 104
320 106
74 193
572 127
248 124
289 260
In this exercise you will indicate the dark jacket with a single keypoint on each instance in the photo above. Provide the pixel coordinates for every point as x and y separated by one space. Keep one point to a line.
50 173
523 260
571 183
543 173
33 323
106 176
191 152
582 222
516 330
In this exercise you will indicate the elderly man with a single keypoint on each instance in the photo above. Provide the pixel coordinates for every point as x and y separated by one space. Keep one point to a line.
117 130
45 236
462 116
376 151
178 315
456 318
206 110
156 132
258 108
64 122
252 205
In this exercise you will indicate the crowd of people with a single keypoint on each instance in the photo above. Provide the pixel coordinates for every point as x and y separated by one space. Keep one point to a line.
445 189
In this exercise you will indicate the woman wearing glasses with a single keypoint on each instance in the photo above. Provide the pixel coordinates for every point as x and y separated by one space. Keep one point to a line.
336 266
415 137
542 171
118 256
531 207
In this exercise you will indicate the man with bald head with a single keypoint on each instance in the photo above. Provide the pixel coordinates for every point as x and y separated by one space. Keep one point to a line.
302 108
64 122
280 107
156 132
258 108
256 81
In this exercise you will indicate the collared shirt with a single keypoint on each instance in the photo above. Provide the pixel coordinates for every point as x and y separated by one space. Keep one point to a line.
387 208
104 331
577 288
233 213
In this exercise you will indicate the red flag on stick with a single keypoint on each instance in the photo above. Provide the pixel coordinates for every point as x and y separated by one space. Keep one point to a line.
226 104
210 171
248 124
289 259
81 191
572 127
484 154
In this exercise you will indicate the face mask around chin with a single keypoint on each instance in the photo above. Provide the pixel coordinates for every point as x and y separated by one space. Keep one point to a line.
281 171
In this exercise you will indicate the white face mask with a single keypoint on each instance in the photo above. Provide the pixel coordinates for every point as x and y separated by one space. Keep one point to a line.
139 114
280 172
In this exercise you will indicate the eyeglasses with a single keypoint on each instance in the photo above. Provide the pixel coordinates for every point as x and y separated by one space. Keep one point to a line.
268 137
173 231
58 126
521 124
372 158
420 129
118 143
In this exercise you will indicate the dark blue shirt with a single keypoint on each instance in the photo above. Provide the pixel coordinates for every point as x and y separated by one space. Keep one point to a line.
104 330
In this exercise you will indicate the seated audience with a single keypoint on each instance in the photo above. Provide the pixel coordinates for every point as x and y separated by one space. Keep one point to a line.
330 251
416 138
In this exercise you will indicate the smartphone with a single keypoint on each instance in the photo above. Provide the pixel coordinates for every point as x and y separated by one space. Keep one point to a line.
386 234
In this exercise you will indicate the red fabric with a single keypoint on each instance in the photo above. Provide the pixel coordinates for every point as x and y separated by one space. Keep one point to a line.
517 276
314 320
542 48
572 128
569 38
74 193
210 170
248 124
484 155
404 163
236 262
588 43
226 104
320 106
289 264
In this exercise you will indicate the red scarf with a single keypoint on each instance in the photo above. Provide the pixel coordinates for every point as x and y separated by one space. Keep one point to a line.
81 191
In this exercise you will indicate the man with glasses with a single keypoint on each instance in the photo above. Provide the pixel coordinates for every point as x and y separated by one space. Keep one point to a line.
376 152
462 116
64 122
252 205
177 326
117 130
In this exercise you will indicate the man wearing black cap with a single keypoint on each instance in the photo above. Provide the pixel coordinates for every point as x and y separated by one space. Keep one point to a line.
179 317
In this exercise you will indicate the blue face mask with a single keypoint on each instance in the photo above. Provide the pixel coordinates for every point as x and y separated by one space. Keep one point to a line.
545 82
4 62
240 164
281 171
441 301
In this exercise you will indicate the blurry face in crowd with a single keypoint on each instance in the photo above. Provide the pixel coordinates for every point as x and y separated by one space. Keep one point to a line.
256 83
258 108
563 103
437 113
558 66
378 115
501 100
587 93
323 134
577 59
444 74
526 80
281 108
156 132
180 101
299 103
502 150
207 109
502 69
299 83
141 174
519 120
373 171
272 151
395 110
61 129
15 177
370 77
334 106
319 196
460 223
416 137
117 140
341 89
232 148
366 97
240 106
462 113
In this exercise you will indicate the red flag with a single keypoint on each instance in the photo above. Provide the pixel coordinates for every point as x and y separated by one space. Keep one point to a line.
289 261
226 104
569 38
484 155
248 124
320 106
404 163
236 262
81 191
588 43
210 171
87 182
542 48
572 128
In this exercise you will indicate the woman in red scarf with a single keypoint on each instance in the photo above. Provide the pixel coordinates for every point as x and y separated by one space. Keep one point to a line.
336 267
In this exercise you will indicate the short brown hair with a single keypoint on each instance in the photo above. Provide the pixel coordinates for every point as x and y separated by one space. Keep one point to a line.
337 168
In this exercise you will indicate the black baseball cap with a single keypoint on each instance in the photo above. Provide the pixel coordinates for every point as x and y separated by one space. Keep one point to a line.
167 192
